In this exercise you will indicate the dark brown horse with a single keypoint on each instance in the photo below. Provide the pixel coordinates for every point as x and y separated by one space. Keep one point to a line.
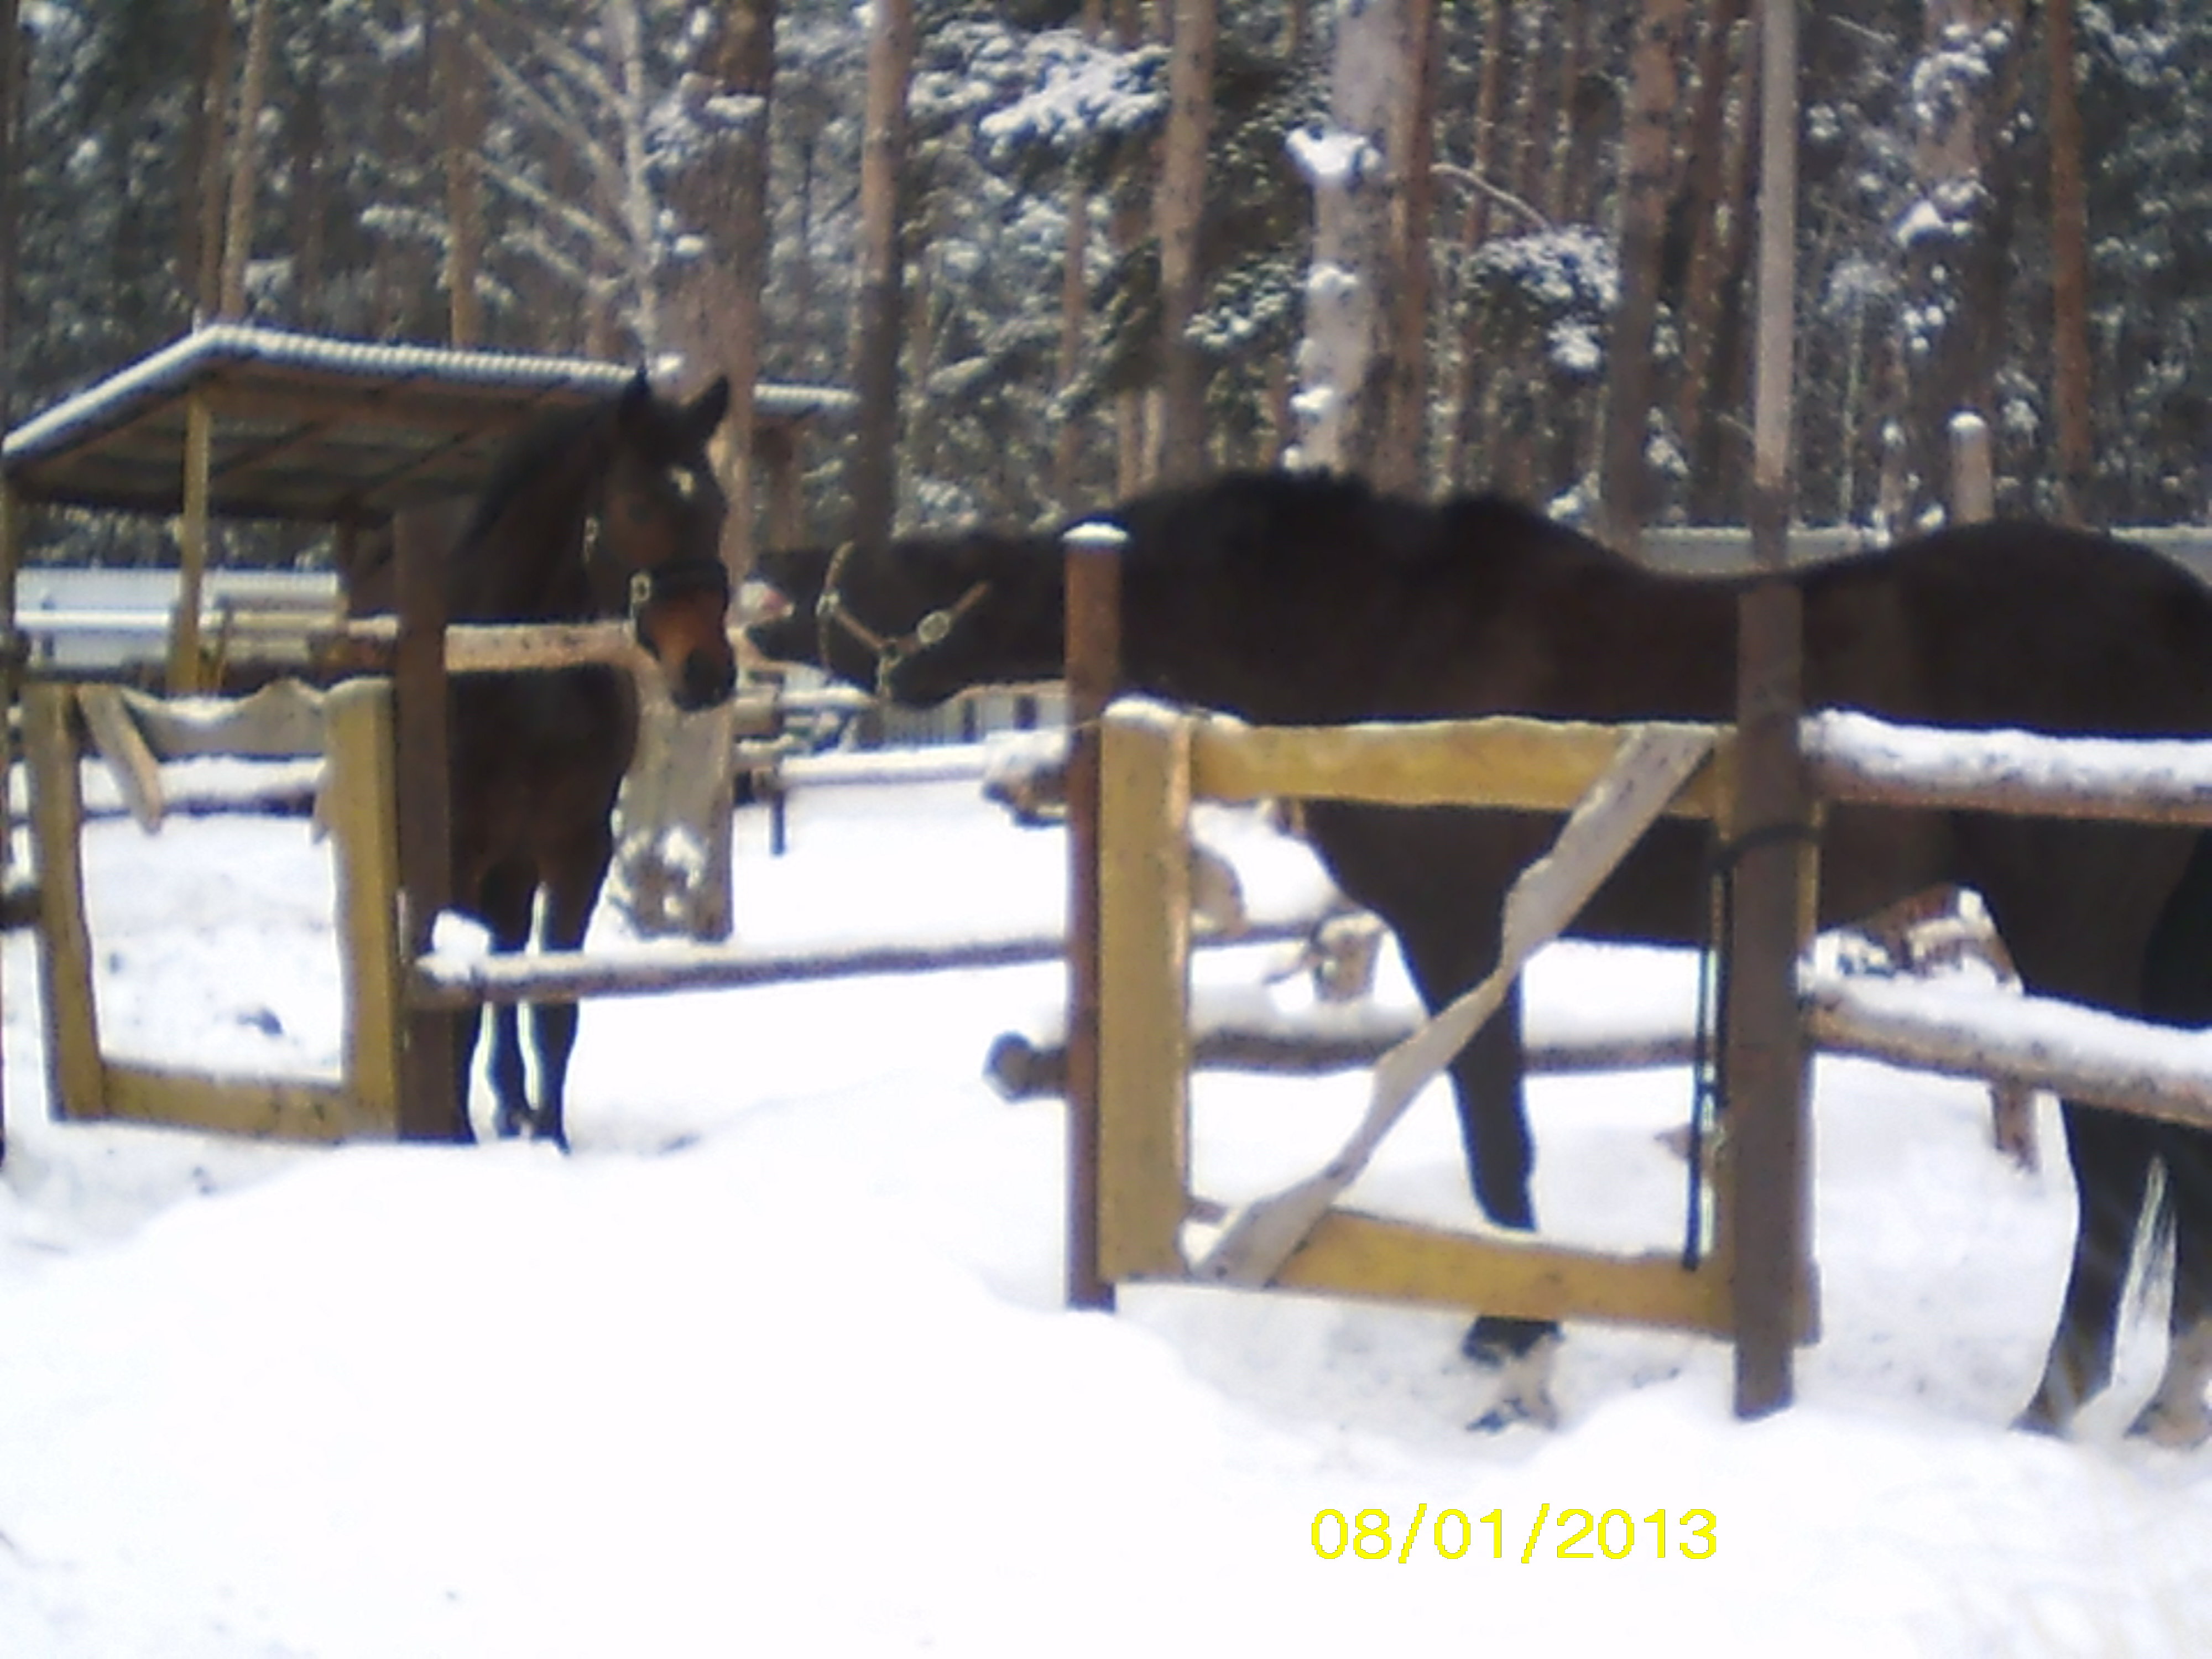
1309 599
609 511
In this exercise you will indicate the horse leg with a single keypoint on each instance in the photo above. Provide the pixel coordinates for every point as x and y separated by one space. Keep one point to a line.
2112 1157
2177 1413
1488 1078
2178 988
2102 914
572 890
506 899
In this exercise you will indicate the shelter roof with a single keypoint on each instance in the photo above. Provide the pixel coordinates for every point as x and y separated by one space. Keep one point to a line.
313 429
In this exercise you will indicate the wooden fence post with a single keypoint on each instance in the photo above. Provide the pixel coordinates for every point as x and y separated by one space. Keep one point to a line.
432 1106
185 675
1094 666
75 1073
362 813
1767 1212
12 655
1144 853
1974 469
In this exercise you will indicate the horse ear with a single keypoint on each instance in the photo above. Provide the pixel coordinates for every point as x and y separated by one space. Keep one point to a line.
705 412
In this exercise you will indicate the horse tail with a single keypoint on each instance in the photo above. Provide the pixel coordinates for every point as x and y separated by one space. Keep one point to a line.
2153 1258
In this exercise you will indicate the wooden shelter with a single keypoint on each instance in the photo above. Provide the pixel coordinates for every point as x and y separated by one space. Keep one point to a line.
244 422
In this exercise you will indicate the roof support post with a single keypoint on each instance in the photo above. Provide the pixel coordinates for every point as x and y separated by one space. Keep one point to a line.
1767 1213
185 673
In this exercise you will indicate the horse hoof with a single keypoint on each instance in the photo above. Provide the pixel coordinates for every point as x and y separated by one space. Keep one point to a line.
1535 1407
1524 1389
1493 1342
552 1132
2175 1427
2038 1418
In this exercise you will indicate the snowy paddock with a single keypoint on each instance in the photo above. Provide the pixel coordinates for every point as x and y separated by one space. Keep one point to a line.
776 1364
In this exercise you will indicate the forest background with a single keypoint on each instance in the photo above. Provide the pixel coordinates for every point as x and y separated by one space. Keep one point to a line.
1066 250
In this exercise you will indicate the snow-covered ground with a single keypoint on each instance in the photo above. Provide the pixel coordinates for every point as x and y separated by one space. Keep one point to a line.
775 1363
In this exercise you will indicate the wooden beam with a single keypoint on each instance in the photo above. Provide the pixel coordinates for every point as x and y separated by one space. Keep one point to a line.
1854 759
185 672
370 642
76 1082
2104 1059
276 1108
1093 632
463 981
433 1104
1349 1254
124 748
1143 975
358 804
1021 1067
1768 1210
1503 761
283 719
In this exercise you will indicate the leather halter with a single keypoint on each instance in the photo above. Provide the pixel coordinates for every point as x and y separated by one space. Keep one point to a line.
931 629
671 579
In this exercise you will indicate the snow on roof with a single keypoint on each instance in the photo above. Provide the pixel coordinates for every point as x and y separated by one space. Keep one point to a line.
183 363
309 427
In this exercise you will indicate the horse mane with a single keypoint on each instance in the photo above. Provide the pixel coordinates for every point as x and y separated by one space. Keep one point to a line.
523 460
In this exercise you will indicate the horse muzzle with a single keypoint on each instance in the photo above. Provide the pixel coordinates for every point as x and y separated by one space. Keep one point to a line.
706 680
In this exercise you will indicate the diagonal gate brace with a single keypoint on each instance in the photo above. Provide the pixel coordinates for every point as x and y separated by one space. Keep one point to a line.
1653 763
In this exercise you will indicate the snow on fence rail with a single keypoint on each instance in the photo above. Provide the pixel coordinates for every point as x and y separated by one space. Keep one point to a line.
1859 758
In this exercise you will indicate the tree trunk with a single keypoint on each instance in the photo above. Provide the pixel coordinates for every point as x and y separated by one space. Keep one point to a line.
1351 295
2069 267
1945 239
1467 433
245 173
1400 462
1507 399
309 248
1717 211
1074 311
1647 158
1132 454
638 210
876 346
460 122
11 145
207 145
738 238
1179 207
678 793
1562 191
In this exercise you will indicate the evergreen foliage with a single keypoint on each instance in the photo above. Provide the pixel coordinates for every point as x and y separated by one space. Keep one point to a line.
588 233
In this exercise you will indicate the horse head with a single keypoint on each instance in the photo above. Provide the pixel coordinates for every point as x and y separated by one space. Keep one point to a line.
788 630
652 538
924 617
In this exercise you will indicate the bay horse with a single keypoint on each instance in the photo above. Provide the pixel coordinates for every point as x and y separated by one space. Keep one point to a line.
1307 599
607 511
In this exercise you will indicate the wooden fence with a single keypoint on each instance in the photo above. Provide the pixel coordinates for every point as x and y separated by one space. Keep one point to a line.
84 1083
1153 764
